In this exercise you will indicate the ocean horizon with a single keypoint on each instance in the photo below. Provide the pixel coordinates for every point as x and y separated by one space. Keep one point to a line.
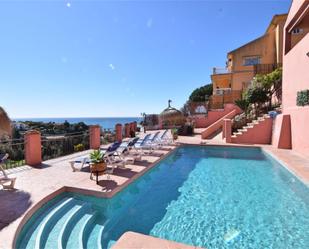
104 122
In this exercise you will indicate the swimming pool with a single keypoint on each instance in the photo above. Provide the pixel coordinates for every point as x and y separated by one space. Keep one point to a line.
214 197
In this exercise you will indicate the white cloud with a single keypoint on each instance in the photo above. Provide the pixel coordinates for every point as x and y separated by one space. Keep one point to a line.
111 66
149 23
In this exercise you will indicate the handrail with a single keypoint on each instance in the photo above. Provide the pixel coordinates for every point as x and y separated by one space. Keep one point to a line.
217 125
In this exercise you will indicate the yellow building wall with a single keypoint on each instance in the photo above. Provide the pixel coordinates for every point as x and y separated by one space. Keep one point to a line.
221 80
241 80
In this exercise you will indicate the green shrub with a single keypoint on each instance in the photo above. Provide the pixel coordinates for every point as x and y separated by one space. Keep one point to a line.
302 98
242 104
79 147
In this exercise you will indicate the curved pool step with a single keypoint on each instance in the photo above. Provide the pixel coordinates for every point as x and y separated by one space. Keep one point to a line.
100 235
73 239
50 220
29 238
69 224
86 228
92 238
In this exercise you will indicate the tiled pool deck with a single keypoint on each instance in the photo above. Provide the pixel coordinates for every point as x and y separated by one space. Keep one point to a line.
33 185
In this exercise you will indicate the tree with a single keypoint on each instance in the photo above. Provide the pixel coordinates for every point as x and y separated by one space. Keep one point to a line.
186 109
256 95
201 94
243 104
272 83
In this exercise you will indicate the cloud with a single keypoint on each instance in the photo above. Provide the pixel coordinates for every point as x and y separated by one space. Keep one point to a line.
111 66
149 23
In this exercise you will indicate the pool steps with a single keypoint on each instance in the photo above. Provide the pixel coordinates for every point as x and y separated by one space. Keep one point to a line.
86 229
69 224
45 227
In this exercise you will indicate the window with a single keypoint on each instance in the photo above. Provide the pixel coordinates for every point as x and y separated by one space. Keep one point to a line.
249 61
297 31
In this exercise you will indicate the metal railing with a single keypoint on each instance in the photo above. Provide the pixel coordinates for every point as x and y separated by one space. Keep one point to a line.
220 70
16 150
265 68
108 136
221 91
61 145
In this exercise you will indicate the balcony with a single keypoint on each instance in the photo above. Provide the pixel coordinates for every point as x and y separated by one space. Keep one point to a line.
220 70
223 96
223 91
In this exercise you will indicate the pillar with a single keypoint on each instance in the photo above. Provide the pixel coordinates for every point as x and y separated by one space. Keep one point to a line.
285 139
228 130
223 130
33 148
94 137
127 130
135 126
132 130
118 129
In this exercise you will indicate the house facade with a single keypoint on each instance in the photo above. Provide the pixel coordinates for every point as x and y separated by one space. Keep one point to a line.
291 127
259 56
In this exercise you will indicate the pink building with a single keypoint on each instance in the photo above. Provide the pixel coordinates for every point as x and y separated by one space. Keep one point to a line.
291 129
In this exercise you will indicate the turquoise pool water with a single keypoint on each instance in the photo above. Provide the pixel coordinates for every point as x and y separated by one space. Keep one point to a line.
214 197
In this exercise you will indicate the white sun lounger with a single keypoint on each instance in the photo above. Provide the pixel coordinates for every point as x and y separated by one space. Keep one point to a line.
82 161
4 179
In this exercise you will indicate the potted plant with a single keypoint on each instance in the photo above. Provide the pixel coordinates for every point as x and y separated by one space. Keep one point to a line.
98 164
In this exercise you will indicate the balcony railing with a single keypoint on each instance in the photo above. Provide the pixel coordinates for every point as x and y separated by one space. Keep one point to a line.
220 70
221 91
265 68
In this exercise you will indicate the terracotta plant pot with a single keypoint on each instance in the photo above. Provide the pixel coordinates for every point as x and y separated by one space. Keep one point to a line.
98 167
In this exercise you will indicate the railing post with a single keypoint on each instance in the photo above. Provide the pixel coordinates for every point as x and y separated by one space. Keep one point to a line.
94 137
127 130
118 129
33 148
228 130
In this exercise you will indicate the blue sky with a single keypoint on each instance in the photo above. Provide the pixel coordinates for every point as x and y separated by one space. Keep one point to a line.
117 58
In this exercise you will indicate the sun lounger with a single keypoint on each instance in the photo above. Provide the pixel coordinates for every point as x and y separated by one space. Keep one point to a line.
5 181
148 143
164 139
82 161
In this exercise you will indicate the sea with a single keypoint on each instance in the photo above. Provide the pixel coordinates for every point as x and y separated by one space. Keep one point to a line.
105 123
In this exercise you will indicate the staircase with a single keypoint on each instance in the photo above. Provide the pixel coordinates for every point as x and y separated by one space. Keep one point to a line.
68 223
216 127
258 131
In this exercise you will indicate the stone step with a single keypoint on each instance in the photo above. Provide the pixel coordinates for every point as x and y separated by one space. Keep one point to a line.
242 130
